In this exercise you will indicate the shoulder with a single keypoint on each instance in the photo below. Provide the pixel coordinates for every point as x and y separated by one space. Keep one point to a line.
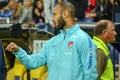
53 39
79 32
82 35
84 39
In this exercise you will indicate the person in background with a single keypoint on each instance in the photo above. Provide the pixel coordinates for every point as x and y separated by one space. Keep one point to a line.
38 14
3 3
80 6
70 55
90 9
48 9
5 14
83 7
26 17
3 69
103 10
16 8
12 11
104 33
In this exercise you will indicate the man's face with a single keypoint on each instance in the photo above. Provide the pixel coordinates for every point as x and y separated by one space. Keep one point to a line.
110 33
58 19
12 4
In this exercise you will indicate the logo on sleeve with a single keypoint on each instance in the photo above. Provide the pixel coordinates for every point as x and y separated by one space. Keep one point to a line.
70 44
90 51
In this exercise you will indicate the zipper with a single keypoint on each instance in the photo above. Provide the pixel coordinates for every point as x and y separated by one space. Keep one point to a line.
64 35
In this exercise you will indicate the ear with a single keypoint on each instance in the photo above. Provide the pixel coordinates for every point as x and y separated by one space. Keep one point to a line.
65 14
104 33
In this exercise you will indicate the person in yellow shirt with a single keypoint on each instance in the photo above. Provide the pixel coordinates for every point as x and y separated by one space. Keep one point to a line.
104 33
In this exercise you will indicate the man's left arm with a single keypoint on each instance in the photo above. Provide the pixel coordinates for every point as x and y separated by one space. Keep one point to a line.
87 51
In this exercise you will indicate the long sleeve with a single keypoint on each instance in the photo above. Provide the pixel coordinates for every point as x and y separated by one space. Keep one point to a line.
87 52
32 61
101 62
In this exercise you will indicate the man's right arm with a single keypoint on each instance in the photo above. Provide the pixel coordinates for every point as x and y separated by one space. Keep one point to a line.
30 61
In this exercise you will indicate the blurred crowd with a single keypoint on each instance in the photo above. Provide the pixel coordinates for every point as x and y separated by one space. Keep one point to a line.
38 13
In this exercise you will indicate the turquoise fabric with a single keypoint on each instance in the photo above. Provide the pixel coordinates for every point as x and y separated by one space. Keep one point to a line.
66 55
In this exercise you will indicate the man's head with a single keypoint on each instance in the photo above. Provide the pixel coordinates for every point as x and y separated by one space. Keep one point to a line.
27 3
63 14
105 30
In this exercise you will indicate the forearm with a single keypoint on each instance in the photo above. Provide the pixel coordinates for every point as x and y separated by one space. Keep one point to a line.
30 61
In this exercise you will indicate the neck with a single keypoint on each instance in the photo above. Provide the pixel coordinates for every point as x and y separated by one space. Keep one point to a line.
69 24
103 39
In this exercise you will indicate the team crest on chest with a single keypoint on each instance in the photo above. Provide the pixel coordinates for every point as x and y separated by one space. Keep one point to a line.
70 44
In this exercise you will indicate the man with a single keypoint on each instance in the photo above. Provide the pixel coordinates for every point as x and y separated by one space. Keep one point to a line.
26 16
104 33
71 55
3 69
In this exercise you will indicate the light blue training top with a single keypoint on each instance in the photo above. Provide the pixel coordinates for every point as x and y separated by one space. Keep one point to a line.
71 55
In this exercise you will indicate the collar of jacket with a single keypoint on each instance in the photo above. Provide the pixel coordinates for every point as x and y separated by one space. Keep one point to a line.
102 43
70 30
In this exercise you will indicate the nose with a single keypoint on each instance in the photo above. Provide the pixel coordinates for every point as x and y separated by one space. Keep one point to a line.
115 32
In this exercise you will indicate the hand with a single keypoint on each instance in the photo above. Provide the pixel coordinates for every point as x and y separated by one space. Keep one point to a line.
26 25
88 15
12 47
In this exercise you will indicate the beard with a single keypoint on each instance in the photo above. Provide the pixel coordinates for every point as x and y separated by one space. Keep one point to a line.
61 23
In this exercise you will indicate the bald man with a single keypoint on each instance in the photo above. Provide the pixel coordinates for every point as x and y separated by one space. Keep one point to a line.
104 33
